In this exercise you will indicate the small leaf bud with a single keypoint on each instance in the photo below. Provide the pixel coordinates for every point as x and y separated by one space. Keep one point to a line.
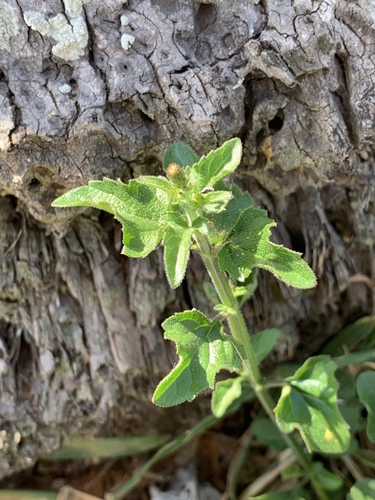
176 174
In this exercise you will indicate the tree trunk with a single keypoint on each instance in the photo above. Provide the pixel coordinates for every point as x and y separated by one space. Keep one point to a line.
91 89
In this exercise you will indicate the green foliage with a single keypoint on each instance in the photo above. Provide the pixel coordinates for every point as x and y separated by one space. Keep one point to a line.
348 401
194 207
363 489
140 209
327 479
366 392
177 243
263 342
233 392
265 432
281 495
215 166
309 403
230 394
359 336
248 246
181 154
203 349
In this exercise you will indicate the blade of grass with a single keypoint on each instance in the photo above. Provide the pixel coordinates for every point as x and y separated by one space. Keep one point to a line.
366 457
27 495
69 493
286 458
88 447
351 336
236 464
164 452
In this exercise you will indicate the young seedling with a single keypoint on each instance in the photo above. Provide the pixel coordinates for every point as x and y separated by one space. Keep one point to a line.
195 207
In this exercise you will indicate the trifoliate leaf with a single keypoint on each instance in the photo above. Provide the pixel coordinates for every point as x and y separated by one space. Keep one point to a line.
181 154
203 349
139 208
248 246
215 166
365 385
309 404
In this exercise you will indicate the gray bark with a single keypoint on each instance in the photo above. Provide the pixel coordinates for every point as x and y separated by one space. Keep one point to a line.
91 89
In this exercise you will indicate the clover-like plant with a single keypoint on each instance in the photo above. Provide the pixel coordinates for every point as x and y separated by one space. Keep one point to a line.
194 207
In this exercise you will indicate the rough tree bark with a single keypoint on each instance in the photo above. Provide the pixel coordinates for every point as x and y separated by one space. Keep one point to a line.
91 89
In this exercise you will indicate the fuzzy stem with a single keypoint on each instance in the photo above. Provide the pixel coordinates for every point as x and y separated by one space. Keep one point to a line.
239 331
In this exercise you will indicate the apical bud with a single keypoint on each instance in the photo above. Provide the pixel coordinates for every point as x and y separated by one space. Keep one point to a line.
176 174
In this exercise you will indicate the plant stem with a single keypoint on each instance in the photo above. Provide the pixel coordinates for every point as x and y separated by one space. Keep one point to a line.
239 331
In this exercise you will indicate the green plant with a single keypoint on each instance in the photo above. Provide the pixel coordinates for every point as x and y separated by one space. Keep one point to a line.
194 207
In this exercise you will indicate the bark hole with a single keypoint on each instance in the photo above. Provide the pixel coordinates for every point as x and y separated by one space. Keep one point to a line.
293 224
337 209
298 241
11 201
24 361
37 177
145 117
206 16
277 121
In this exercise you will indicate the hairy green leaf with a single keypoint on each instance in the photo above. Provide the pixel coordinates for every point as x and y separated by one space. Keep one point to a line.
365 385
203 349
176 254
245 289
239 203
230 394
177 243
139 208
215 166
216 201
157 182
248 246
181 154
309 404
